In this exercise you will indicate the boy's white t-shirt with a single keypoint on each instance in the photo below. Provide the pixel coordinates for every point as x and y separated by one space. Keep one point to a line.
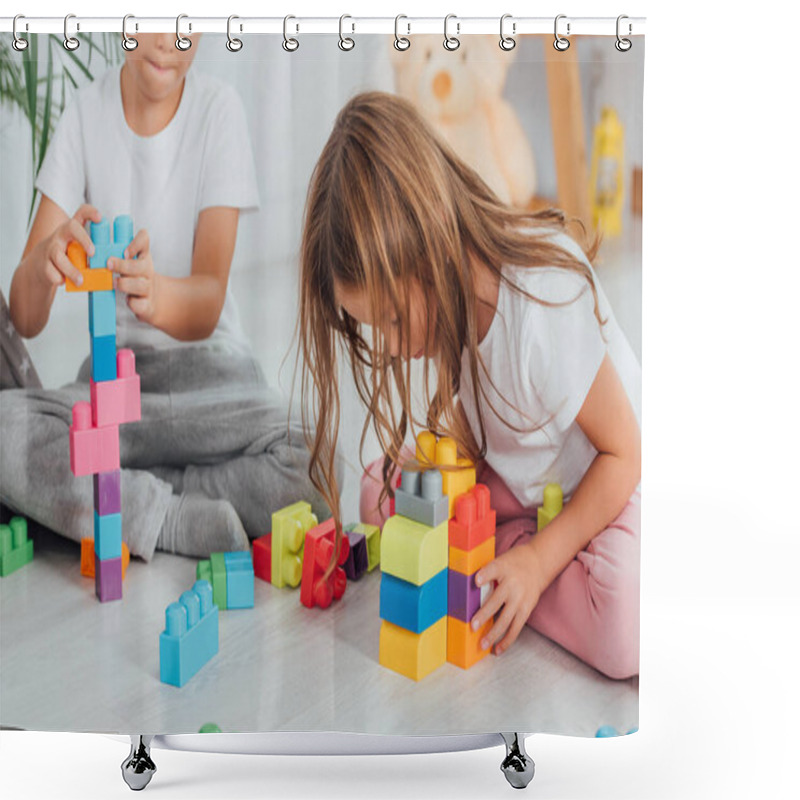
543 360
201 159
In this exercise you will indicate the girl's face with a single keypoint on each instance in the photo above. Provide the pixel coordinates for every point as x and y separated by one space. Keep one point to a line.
415 343
157 66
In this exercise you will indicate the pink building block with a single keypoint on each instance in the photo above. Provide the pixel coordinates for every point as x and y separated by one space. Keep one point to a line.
118 401
91 450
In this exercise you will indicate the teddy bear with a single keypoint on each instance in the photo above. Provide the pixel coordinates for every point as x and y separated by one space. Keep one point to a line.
460 93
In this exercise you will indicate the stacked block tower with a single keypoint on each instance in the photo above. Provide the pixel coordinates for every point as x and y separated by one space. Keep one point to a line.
425 607
115 398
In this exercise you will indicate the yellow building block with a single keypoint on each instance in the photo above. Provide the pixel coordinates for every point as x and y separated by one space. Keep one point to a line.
468 562
458 474
463 644
414 655
551 507
411 551
289 528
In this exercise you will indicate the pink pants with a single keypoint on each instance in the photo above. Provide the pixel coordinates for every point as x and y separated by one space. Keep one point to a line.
592 607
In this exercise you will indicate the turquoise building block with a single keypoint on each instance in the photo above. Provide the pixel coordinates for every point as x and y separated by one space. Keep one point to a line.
420 497
104 358
240 579
104 247
103 313
107 536
413 607
191 636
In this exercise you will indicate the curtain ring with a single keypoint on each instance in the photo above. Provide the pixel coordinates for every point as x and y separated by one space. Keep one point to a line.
451 43
18 43
561 44
623 45
401 43
129 43
71 43
507 42
182 42
289 44
345 42
233 44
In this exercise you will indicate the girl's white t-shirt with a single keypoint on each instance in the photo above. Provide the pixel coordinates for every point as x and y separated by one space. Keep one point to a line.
201 159
542 361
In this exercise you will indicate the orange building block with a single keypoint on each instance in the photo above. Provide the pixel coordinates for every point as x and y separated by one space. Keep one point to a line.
470 561
94 280
475 521
463 644
414 655
87 558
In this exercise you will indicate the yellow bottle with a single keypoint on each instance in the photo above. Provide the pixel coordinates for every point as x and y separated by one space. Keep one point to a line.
606 189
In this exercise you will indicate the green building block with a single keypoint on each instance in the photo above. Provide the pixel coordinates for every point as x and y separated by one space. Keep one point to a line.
213 570
372 533
16 549
551 507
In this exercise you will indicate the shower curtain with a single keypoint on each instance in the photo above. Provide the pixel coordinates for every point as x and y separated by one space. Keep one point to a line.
163 548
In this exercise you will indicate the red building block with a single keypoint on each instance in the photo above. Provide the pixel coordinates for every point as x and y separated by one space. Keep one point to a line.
262 557
118 401
316 557
474 521
91 449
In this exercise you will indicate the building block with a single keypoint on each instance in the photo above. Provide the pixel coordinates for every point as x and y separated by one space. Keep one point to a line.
262 557
107 536
414 655
551 507
104 247
108 579
317 554
107 494
240 579
475 521
470 561
289 528
412 607
411 551
191 636
464 598
115 402
357 559
102 313
215 573
420 497
372 534
87 557
16 549
94 280
104 357
91 449
458 474
463 644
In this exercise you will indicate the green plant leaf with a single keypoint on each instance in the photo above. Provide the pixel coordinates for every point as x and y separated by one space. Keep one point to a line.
48 102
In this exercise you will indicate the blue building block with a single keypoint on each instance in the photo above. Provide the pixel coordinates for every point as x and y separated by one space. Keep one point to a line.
107 536
104 248
240 579
102 313
420 497
104 358
413 607
191 636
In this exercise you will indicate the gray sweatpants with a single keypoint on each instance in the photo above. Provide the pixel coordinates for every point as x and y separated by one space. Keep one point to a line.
210 424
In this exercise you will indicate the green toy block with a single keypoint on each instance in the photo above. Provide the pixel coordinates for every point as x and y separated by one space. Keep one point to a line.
413 552
372 533
210 727
213 570
551 507
289 528
16 549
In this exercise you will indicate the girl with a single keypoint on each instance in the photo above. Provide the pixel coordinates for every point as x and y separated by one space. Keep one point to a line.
407 255
212 457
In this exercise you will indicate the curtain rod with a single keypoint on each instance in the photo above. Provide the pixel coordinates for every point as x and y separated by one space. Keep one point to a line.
407 26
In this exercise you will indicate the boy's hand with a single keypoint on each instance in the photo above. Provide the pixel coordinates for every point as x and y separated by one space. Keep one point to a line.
137 277
57 265
518 577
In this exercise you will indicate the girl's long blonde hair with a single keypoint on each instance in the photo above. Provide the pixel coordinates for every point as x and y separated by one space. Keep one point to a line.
389 201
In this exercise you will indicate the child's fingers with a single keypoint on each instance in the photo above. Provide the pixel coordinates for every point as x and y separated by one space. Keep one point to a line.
76 232
60 262
501 625
139 245
127 266
137 287
492 605
87 213
511 636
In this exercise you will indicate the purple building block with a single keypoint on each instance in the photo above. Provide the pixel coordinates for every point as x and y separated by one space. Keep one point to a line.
107 497
463 596
357 560
108 579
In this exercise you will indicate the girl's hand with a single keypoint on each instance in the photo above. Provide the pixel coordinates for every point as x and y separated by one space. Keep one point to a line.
519 584
56 266
137 277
